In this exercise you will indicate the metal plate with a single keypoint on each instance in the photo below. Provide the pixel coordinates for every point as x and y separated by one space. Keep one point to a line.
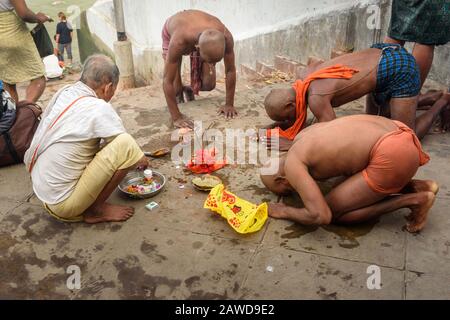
136 177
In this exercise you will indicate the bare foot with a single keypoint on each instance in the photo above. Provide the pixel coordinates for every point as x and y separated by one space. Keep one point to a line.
419 213
108 213
416 186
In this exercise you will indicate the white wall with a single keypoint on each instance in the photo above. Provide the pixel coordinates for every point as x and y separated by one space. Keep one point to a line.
254 24
144 19
246 19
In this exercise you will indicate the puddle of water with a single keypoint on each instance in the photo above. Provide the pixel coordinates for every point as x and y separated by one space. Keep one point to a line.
297 231
347 234
351 232
258 191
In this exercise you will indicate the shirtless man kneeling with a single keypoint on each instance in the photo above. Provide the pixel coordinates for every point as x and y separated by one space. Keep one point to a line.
378 156
207 41
386 73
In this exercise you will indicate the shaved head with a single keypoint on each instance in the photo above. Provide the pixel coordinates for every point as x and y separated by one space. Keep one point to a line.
276 181
212 45
280 104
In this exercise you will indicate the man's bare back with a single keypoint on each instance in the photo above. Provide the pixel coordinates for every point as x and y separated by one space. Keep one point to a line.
208 41
378 159
341 91
387 74
185 27
335 148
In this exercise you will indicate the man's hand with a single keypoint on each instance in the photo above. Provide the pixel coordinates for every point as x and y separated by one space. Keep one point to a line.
143 164
42 18
183 122
283 143
277 210
229 111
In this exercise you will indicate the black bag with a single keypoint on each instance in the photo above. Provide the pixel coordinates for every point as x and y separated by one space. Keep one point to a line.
42 40
15 142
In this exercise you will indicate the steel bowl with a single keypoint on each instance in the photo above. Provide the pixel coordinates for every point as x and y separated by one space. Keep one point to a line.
136 177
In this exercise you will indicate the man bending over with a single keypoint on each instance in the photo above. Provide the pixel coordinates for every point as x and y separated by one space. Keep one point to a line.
70 173
386 71
378 157
207 41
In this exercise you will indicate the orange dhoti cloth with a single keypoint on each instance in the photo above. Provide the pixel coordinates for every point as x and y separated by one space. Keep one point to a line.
337 71
394 160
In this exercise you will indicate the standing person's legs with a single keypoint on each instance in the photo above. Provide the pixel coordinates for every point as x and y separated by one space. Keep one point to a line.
12 89
424 56
35 89
422 53
61 51
69 53
88 200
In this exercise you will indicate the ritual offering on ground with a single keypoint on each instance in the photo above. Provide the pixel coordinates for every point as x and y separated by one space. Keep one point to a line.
138 184
147 186
206 182
205 161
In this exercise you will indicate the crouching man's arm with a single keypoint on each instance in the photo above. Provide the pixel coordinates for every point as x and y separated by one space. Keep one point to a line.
170 77
316 211
230 79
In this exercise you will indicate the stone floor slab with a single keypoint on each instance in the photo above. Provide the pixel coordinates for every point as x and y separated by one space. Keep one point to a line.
278 273
16 183
381 243
161 263
429 251
427 287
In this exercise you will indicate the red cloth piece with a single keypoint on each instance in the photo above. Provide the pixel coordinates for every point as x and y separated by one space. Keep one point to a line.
205 162
196 71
